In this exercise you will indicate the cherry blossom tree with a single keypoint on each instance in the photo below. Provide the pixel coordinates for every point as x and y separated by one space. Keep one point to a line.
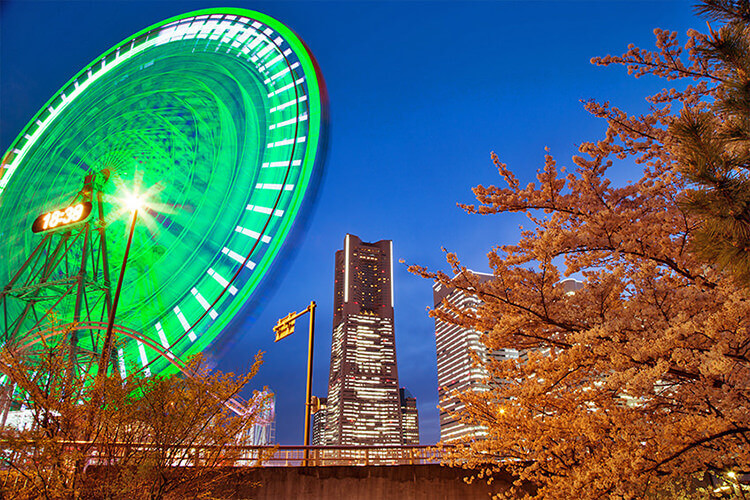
638 384
156 437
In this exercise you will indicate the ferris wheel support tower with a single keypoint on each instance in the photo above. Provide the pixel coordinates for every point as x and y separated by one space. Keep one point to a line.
70 259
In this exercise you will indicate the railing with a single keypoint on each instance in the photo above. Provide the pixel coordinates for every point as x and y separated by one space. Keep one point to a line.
321 456
251 456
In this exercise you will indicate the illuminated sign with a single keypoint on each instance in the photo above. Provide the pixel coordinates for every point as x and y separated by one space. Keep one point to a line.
63 217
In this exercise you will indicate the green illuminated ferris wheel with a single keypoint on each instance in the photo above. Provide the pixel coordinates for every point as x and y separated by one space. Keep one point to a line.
216 120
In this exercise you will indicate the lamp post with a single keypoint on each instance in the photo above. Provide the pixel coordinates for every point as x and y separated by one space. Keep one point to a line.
134 204
285 327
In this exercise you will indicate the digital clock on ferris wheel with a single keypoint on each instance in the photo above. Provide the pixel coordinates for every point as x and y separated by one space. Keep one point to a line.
62 217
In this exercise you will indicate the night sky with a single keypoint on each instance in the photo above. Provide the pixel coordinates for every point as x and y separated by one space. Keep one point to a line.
420 94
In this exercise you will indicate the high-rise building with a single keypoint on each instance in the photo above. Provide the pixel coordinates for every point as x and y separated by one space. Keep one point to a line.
409 417
458 350
363 393
457 369
319 421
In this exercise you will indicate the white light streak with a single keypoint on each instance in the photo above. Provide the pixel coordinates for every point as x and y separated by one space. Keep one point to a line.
286 142
163 339
265 210
282 72
282 164
237 258
275 187
287 87
223 282
287 104
391 259
273 62
204 303
253 234
121 362
254 43
346 269
290 121
265 50
185 324
144 359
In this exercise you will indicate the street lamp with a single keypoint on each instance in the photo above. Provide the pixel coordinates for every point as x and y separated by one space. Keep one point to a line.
285 327
134 203
134 200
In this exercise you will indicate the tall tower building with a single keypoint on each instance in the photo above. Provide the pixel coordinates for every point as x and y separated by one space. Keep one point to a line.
364 405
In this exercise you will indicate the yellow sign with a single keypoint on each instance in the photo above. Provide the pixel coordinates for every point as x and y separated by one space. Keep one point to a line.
316 405
285 326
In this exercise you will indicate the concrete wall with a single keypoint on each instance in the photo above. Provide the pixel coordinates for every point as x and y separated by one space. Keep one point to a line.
417 482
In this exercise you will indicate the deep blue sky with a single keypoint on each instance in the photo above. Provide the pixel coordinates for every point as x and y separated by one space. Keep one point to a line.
421 93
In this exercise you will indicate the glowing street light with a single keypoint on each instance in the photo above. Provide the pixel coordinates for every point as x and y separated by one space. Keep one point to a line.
133 202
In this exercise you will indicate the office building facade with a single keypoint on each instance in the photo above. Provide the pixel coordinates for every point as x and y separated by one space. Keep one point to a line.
458 372
409 417
457 348
319 423
363 405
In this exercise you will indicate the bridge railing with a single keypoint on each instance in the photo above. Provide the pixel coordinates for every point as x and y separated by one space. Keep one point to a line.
321 456
248 456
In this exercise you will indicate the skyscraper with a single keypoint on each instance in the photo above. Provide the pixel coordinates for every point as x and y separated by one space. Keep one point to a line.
409 417
457 370
456 347
364 405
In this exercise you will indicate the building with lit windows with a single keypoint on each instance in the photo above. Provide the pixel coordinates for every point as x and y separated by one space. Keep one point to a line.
409 417
457 370
364 405
319 421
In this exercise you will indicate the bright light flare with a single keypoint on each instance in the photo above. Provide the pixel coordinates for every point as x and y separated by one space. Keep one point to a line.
133 202
131 196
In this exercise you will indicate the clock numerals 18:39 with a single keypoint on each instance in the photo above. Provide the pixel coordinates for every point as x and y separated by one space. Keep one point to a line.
62 217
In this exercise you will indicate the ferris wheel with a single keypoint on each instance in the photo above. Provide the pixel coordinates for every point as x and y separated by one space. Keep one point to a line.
215 120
